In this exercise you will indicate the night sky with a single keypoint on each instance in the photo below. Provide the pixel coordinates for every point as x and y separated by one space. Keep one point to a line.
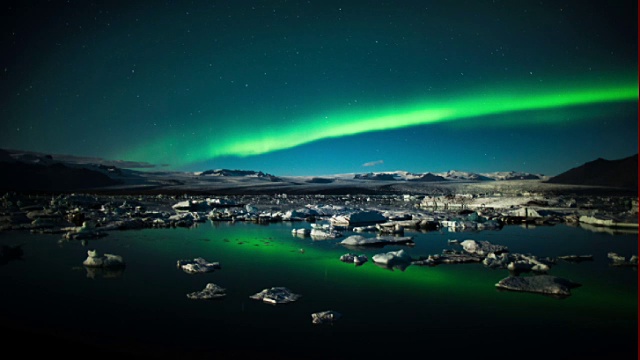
323 87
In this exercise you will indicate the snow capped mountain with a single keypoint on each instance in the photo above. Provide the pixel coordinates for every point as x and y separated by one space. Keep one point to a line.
28 171
463 175
227 172
379 176
452 175
513 175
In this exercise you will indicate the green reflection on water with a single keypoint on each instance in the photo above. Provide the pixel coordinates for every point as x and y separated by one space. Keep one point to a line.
438 303
273 252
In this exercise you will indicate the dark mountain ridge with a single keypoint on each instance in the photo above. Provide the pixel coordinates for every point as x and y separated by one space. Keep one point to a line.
621 173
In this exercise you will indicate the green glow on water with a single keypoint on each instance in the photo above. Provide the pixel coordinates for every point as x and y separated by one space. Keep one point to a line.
441 303
273 250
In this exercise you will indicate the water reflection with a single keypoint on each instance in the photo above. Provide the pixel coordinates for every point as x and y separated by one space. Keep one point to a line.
440 294
107 273
10 253
394 265
609 230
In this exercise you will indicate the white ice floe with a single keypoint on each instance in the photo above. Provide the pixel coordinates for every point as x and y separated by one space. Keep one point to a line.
542 284
197 265
211 291
94 259
392 257
358 218
353 258
324 317
359 240
482 248
276 295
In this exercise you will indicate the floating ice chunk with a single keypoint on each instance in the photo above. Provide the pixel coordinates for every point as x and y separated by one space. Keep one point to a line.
323 233
356 240
276 295
197 265
107 261
358 218
211 291
353 258
542 284
482 247
359 240
618 260
392 257
301 232
324 317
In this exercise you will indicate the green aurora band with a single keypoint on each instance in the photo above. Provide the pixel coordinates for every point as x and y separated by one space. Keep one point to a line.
240 142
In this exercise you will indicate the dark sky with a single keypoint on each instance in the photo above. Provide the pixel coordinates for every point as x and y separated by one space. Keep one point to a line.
323 87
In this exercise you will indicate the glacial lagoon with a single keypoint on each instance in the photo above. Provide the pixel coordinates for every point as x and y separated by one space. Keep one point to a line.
54 303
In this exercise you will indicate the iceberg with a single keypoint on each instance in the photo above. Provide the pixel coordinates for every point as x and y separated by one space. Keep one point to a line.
198 265
358 218
542 284
325 317
482 248
107 261
353 258
211 291
393 259
359 240
275 295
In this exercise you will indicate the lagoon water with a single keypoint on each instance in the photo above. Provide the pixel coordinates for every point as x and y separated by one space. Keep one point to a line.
50 301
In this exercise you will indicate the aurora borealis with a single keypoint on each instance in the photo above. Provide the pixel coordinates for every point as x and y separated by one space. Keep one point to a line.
323 87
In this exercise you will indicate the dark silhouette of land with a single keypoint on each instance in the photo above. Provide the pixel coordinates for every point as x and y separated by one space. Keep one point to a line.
622 173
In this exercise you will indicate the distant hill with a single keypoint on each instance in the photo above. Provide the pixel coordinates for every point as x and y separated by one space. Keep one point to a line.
41 173
20 177
622 173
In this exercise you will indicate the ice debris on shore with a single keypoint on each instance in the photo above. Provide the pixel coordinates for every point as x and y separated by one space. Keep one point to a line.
325 317
211 291
86 231
276 295
94 259
462 212
198 265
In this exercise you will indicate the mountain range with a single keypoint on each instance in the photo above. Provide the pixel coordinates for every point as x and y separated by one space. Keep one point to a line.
35 172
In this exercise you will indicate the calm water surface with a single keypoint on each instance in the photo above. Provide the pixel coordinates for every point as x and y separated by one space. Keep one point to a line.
49 299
